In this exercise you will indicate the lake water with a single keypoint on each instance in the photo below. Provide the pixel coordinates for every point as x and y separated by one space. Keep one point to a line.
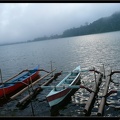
66 54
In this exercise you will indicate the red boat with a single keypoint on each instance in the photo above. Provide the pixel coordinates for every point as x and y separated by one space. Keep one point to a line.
11 86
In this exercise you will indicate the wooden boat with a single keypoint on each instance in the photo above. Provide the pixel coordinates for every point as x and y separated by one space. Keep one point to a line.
20 81
58 94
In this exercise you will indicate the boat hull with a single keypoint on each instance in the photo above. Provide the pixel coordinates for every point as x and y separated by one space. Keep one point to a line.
8 91
56 99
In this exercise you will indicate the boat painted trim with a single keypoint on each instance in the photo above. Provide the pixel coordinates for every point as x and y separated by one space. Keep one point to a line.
12 87
54 97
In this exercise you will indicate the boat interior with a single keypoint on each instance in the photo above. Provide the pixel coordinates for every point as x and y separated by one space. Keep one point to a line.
68 80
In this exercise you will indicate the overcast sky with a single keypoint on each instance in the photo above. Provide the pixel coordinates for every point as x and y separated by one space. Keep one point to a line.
26 21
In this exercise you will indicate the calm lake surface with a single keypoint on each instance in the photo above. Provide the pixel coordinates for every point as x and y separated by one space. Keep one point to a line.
66 54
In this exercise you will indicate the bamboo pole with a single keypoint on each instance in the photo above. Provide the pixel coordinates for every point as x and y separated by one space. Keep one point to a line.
30 81
46 83
24 99
94 92
92 95
103 100
35 91
12 97
31 101
31 94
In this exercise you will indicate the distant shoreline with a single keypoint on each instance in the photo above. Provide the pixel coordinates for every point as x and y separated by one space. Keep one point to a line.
102 25
51 39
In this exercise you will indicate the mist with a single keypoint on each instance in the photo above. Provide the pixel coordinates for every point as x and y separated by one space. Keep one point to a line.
27 21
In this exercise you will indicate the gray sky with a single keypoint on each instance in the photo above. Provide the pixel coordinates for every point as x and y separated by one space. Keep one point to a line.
26 21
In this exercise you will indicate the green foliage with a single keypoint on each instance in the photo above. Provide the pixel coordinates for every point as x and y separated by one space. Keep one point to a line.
107 24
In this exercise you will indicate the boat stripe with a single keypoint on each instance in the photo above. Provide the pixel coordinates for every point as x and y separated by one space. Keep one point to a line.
58 95
61 93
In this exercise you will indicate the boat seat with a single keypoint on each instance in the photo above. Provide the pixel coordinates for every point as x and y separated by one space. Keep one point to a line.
5 85
71 77
69 81
18 80
64 85
24 77
60 88
21 78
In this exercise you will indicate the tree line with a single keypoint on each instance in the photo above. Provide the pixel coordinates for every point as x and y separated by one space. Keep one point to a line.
102 25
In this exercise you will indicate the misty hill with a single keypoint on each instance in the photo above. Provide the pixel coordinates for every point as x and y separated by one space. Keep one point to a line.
102 25
106 24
